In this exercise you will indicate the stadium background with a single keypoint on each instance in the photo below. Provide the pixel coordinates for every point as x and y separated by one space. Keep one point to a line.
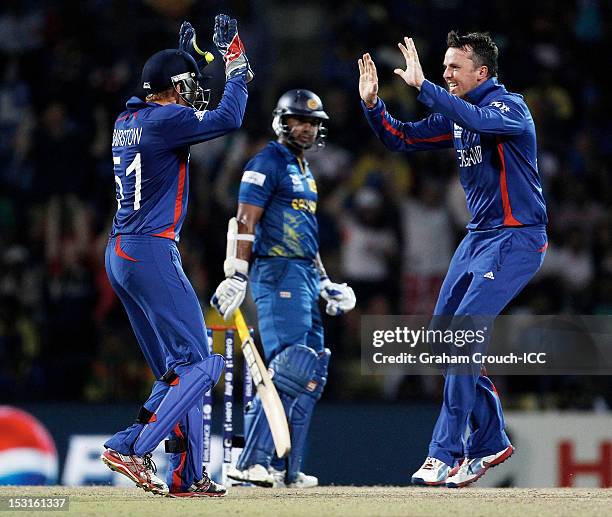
389 222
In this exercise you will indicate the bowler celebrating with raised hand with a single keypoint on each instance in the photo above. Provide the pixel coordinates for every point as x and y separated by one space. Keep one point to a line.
494 137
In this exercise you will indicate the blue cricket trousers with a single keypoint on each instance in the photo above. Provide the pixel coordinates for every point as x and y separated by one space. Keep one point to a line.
513 256
148 277
286 293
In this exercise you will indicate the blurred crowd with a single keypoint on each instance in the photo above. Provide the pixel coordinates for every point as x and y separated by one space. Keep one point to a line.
389 222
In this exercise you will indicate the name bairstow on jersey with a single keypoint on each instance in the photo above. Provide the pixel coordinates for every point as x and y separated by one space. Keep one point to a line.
123 137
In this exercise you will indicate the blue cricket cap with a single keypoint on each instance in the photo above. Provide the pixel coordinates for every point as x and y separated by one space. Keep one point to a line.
164 66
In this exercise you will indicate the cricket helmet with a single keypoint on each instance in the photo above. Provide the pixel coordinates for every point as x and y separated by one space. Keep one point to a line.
171 67
300 103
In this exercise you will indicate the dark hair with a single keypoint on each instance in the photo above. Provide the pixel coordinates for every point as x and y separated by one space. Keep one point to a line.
484 50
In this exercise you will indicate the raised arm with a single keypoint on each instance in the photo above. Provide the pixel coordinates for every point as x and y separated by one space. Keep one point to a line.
503 117
433 132
192 127
500 117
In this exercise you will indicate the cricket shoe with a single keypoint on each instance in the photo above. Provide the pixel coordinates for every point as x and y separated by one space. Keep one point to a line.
140 469
473 469
433 472
256 474
302 480
204 487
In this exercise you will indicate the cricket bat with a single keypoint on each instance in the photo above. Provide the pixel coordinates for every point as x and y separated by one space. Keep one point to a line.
272 405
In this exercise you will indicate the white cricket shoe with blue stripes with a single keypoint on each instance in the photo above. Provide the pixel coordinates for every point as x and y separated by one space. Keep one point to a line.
433 472
473 469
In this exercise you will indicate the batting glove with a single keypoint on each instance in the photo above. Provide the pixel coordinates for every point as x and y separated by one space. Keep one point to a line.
340 298
231 48
230 295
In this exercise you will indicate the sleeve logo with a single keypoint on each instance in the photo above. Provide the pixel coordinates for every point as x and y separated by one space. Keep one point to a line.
501 106
254 177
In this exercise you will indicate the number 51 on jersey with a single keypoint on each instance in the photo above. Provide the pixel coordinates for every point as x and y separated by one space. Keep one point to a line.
135 166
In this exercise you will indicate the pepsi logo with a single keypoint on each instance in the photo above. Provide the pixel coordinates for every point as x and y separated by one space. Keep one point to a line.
27 451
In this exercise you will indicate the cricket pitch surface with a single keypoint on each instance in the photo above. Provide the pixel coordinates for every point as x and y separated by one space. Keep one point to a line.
327 501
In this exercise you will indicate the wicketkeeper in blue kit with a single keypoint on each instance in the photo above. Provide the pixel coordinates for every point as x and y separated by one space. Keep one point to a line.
150 147
494 138
278 231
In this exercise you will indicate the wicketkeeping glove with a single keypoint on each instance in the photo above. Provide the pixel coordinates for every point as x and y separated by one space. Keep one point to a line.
230 295
230 46
187 43
186 36
340 298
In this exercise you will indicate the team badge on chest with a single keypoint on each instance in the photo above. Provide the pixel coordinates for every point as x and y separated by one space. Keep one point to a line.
298 186
312 185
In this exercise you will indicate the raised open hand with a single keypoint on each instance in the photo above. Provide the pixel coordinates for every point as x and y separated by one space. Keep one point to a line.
186 36
229 45
413 75
368 80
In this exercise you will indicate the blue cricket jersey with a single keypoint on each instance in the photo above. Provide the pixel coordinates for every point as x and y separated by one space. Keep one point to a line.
284 186
495 143
151 159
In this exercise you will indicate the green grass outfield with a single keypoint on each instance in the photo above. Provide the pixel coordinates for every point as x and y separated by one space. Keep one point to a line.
332 501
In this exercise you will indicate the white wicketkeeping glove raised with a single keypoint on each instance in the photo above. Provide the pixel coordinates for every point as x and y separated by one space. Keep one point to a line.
340 298
230 295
